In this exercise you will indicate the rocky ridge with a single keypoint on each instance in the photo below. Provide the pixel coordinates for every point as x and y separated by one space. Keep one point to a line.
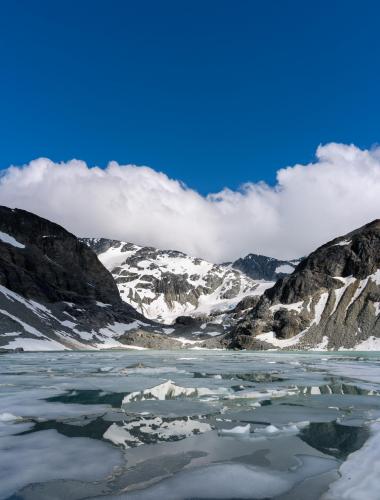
54 292
261 267
330 301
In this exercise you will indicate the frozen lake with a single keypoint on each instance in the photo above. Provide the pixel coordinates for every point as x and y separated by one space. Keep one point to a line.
190 424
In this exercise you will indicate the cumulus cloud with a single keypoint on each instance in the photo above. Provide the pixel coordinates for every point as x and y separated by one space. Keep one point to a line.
309 204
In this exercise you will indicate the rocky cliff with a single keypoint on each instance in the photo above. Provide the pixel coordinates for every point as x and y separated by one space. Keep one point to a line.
261 267
330 301
54 292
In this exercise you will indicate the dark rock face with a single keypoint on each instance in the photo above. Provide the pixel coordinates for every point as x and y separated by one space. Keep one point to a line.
331 300
260 267
247 303
53 287
188 321
54 265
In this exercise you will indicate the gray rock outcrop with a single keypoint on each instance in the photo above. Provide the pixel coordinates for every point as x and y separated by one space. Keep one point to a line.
330 301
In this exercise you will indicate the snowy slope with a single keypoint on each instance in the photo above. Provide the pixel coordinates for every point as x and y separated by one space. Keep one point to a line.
165 284
34 326
54 292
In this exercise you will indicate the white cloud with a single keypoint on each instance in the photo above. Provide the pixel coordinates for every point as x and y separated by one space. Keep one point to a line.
309 205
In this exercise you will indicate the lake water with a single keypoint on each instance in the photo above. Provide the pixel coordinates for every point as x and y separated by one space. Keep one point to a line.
190 424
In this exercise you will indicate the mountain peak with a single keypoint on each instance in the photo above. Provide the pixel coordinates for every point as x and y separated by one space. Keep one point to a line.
332 298
165 284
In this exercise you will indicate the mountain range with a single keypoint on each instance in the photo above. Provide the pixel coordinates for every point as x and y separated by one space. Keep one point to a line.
54 292
61 292
165 284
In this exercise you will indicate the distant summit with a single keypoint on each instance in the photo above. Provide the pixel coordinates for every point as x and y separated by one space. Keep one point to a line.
260 267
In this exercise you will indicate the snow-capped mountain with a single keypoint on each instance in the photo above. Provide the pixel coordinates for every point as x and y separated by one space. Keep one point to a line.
260 267
165 284
54 292
330 301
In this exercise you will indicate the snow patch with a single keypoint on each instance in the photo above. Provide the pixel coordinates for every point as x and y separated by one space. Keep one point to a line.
371 344
29 344
339 292
322 346
7 238
239 429
284 269
342 243
296 306
271 338
319 308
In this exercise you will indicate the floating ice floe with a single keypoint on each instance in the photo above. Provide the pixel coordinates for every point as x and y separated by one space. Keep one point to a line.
8 417
167 390
269 393
47 455
232 480
149 430
239 429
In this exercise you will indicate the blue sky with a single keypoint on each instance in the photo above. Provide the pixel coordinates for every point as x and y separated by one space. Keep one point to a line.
214 93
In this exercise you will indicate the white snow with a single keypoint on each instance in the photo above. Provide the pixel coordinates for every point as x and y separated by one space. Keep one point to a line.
342 243
120 328
371 344
339 292
360 473
375 277
148 427
204 297
27 328
168 331
319 308
106 337
7 238
239 429
187 341
68 324
296 306
358 291
37 308
322 346
30 344
11 334
272 339
120 435
285 269
7 417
